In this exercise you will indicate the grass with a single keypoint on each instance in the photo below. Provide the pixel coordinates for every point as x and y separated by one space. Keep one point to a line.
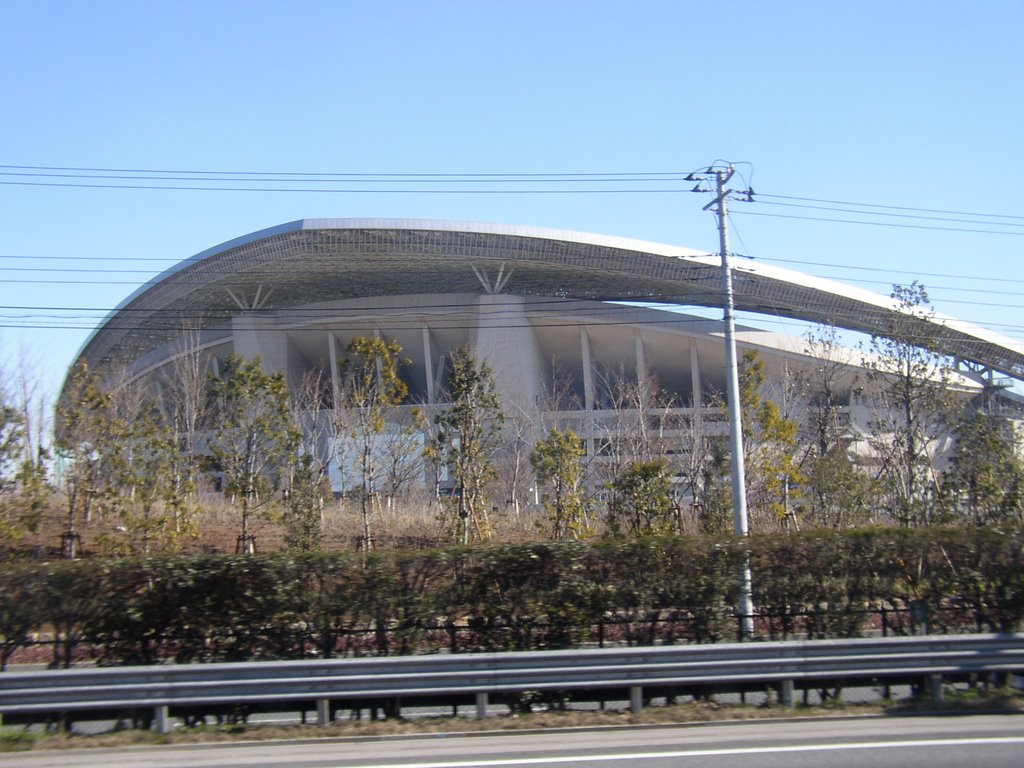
966 702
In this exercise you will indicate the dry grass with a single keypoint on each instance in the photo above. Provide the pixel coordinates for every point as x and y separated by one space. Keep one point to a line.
688 713
411 522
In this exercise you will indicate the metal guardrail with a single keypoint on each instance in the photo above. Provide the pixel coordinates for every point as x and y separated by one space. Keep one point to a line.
321 684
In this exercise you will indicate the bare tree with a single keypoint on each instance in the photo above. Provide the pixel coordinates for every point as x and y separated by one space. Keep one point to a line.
840 490
401 451
512 460
641 412
184 397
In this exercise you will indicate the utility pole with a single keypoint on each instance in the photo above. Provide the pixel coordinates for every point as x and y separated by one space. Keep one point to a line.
741 527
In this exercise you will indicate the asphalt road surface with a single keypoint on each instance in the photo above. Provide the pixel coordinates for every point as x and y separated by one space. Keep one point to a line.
903 742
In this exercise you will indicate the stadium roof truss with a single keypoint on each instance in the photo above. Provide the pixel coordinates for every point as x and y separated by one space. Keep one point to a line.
318 260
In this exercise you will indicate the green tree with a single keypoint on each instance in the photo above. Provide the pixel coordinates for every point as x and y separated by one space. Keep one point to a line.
145 497
641 501
371 391
911 381
25 492
985 481
302 529
138 489
842 494
469 431
23 489
774 478
11 438
82 416
254 437
308 485
713 499
557 462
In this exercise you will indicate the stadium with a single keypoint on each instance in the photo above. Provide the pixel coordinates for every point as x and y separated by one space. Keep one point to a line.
563 319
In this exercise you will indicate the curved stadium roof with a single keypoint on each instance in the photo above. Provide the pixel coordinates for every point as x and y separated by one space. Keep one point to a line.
313 260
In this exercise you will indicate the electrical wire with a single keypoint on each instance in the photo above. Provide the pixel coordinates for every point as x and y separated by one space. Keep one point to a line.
343 174
155 187
394 321
874 223
893 215
891 207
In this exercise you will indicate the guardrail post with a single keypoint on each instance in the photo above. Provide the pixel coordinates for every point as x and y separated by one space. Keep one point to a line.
636 699
481 705
323 711
161 719
936 686
786 693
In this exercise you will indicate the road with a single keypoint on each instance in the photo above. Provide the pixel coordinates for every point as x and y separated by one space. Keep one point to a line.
924 742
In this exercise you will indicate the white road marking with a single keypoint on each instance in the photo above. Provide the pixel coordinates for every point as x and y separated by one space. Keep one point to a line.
703 753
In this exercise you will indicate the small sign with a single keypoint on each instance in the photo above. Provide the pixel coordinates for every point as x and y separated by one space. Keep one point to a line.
919 612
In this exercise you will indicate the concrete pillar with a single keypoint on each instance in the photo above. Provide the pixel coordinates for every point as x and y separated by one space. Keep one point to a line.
636 699
258 336
695 379
588 390
641 359
481 706
504 339
161 719
332 360
786 693
935 682
428 366
323 711
588 371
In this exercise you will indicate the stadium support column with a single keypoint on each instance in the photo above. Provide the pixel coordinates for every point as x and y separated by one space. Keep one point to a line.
504 339
428 365
588 390
258 336
641 363
332 357
697 391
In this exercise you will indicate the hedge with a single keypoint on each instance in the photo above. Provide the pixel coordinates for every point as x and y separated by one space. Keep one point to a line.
526 597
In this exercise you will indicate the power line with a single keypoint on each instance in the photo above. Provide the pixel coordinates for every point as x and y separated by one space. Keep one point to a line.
404 179
165 259
891 207
166 187
152 317
346 174
451 324
85 172
873 223
891 271
170 261
273 273
893 215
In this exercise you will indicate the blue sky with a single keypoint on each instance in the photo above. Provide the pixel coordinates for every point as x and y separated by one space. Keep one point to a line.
912 104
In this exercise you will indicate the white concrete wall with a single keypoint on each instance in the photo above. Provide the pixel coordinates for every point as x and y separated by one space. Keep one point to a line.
258 336
505 340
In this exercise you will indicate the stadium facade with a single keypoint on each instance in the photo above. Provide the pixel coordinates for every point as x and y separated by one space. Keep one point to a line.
549 311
